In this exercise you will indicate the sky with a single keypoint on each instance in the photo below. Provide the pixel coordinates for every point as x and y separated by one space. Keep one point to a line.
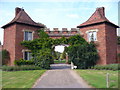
57 13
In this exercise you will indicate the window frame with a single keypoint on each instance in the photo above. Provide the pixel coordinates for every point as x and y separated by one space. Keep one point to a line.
94 30
28 54
27 37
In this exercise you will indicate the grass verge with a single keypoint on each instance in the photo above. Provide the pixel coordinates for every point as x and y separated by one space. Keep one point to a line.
57 61
97 78
20 79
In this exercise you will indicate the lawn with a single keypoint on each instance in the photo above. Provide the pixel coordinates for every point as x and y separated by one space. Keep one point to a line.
97 78
57 61
20 79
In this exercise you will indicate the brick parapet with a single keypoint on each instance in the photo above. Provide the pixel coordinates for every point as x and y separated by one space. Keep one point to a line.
64 32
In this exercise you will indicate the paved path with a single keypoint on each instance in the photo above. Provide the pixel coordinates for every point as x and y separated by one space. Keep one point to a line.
61 76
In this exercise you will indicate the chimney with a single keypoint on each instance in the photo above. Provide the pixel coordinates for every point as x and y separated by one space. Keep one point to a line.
17 10
101 10
55 29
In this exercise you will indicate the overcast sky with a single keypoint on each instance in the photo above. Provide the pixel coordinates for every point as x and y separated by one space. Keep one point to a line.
57 13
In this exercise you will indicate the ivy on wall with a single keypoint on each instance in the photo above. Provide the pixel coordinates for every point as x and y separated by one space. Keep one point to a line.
80 52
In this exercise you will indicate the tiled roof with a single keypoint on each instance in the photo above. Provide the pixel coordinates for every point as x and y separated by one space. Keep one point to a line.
23 18
97 17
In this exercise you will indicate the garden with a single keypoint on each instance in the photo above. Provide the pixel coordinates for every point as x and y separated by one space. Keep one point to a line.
84 55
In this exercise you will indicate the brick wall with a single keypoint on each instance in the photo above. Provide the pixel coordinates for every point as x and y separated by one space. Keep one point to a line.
111 44
13 35
9 42
106 42
20 37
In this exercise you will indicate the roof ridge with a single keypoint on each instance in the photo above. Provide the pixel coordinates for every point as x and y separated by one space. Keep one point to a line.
23 18
97 17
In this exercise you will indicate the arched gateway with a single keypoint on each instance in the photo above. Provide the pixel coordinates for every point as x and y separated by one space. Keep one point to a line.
22 27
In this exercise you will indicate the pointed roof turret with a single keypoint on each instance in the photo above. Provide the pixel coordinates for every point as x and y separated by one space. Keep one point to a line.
97 17
23 18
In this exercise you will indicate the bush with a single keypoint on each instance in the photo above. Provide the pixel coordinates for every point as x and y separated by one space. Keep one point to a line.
20 68
24 62
83 56
5 57
107 67
43 58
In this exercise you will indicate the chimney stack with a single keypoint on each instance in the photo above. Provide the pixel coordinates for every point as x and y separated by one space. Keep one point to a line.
101 9
17 10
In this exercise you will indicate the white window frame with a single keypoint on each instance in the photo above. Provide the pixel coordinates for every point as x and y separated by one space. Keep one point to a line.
93 30
27 31
24 54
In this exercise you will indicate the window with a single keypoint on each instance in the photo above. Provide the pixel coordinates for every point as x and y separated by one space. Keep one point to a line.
92 36
28 35
27 55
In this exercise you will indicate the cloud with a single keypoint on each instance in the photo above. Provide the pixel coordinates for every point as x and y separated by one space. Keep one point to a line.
73 16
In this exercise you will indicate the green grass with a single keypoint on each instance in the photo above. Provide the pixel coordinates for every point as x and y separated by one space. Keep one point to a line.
57 61
20 79
97 78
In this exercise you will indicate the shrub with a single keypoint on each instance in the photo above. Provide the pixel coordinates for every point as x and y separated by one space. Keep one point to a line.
24 62
83 56
5 57
43 58
107 67
20 68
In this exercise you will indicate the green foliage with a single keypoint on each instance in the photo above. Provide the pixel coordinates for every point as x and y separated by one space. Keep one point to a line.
43 58
81 53
83 56
20 68
107 67
76 39
42 34
23 62
63 55
5 57
39 43
57 57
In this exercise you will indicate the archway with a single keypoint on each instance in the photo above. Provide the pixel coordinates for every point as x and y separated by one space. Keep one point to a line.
61 54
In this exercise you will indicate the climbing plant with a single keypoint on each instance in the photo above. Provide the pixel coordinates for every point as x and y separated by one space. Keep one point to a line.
80 52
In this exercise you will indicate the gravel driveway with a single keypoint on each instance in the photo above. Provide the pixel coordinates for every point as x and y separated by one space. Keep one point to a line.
61 76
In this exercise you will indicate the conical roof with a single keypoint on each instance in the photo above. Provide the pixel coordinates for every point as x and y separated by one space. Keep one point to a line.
97 17
23 18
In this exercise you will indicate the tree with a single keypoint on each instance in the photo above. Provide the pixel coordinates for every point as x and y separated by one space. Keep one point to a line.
64 55
83 56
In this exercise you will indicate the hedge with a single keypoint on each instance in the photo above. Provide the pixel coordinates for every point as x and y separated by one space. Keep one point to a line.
23 62
107 67
20 68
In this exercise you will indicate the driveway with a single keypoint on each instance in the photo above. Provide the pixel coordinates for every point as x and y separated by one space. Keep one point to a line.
60 76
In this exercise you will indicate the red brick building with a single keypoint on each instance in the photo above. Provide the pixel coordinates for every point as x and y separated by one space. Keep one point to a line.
22 27
104 33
